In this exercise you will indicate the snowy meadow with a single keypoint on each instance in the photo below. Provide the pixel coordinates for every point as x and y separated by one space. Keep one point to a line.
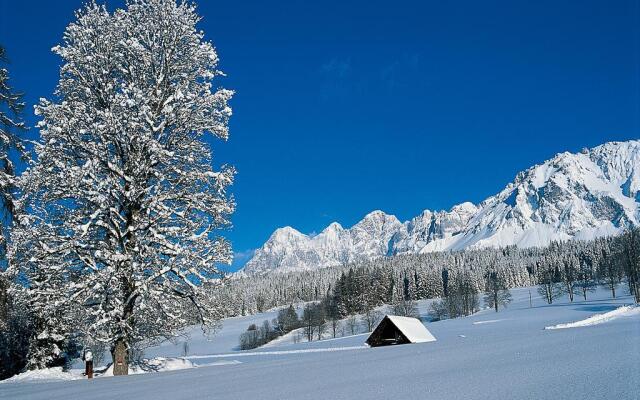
505 355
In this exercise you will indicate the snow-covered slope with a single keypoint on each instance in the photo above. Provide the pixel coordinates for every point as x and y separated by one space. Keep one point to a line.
432 226
287 249
593 193
508 355
586 195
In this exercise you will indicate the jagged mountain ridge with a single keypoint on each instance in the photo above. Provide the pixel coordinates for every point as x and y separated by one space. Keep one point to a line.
288 249
589 194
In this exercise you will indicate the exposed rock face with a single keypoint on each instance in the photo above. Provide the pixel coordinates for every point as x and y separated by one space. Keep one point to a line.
287 249
431 226
586 195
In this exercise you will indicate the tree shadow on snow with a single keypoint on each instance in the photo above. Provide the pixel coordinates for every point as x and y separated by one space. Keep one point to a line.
598 308
590 305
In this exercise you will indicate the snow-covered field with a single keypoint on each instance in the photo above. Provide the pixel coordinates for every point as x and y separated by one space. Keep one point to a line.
506 355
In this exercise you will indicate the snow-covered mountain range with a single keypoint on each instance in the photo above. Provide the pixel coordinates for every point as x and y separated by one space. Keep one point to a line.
586 195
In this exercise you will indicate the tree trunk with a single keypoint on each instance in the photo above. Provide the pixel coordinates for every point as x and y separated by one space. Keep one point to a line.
548 292
120 356
634 288
613 290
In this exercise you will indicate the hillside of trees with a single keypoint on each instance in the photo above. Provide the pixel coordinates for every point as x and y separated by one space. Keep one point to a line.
573 267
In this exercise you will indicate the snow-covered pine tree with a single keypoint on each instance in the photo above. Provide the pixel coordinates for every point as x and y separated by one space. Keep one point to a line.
11 125
14 318
629 250
124 202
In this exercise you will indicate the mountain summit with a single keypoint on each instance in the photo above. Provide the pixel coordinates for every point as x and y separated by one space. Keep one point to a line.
586 195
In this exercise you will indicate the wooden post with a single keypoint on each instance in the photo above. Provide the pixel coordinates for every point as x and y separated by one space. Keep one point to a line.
120 359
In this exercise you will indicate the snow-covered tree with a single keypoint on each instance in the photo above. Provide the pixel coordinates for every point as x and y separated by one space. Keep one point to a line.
351 287
496 291
629 249
14 313
287 320
332 313
352 324
404 308
586 273
309 320
250 338
570 273
52 315
11 126
123 203
549 279
609 270
15 333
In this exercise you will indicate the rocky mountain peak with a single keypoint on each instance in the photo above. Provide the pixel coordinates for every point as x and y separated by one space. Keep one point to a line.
581 195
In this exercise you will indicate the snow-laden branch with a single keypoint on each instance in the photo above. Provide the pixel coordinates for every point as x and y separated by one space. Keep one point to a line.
124 202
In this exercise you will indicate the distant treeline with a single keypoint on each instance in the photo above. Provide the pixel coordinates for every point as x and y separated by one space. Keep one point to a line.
572 267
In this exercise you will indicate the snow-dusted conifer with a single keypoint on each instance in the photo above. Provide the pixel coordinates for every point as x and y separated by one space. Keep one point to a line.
124 202
629 248
11 125
13 313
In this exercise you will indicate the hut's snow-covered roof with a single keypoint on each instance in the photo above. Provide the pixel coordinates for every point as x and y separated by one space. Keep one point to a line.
412 328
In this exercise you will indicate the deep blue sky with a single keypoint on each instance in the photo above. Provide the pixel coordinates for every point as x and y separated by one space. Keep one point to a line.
346 107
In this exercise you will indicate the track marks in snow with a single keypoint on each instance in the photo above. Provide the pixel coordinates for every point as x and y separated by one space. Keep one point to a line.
488 321
218 363
277 353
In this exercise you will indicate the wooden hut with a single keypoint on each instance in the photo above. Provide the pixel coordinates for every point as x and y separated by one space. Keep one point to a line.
399 330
